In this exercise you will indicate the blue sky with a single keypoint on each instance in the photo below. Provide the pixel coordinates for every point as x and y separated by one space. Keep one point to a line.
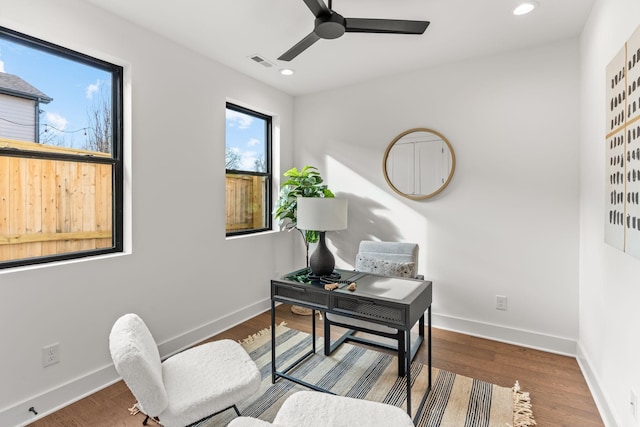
245 135
74 87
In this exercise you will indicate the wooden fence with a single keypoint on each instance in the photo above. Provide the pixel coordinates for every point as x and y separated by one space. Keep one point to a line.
245 201
52 207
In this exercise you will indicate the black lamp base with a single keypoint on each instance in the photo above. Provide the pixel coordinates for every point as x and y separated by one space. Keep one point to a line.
322 261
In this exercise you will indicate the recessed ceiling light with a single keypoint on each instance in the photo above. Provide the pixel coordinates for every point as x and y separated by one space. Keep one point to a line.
286 71
524 8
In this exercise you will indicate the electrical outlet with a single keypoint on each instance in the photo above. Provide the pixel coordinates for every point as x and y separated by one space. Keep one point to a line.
50 354
501 302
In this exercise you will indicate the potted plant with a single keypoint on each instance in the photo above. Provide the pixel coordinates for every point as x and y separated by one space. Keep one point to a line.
304 183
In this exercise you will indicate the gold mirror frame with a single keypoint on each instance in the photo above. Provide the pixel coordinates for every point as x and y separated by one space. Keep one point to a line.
419 196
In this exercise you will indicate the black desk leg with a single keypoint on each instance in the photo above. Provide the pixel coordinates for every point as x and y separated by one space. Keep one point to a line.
428 391
429 346
313 329
408 368
327 336
273 342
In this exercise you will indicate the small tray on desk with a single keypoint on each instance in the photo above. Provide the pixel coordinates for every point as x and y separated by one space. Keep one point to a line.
342 277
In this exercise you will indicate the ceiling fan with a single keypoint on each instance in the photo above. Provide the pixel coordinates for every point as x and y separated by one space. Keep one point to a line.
331 25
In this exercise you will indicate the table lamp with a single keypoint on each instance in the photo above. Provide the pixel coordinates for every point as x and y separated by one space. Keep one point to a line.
321 214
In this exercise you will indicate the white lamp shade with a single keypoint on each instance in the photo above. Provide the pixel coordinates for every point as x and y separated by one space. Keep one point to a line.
322 213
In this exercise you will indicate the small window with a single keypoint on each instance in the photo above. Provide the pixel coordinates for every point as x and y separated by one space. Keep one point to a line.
61 166
248 171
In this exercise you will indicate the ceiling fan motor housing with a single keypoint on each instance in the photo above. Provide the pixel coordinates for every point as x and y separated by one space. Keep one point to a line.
330 26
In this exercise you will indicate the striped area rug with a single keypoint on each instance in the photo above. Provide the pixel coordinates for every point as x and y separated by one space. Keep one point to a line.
354 371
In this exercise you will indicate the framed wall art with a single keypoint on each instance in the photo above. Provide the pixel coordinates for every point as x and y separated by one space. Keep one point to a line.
622 217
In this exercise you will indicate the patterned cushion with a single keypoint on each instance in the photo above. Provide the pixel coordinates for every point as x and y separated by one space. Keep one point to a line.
384 267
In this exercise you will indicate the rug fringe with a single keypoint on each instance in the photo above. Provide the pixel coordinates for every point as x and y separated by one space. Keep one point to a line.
259 334
522 408
134 410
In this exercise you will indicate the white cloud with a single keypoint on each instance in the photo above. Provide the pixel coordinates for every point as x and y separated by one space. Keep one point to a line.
253 142
93 88
2 66
248 160
242 121
56 121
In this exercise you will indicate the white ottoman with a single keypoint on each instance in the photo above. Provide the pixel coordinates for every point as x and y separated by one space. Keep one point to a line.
315 409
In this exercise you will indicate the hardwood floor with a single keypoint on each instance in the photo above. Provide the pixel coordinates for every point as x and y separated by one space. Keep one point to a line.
559 393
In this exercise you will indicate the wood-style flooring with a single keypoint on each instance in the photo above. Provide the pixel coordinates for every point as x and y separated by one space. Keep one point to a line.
559 393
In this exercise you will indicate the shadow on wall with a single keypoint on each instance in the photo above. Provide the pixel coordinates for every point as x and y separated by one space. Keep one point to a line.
362 224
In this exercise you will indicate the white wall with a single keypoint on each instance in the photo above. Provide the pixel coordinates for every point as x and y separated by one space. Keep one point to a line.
180 273
609 347
508 222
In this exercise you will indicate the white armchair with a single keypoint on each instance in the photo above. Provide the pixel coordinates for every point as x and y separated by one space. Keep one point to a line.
192 385
388 259
316 409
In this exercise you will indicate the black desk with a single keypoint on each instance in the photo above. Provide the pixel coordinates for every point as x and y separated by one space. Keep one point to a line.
390 301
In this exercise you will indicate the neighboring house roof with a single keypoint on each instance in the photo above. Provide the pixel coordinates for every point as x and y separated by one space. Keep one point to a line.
14 85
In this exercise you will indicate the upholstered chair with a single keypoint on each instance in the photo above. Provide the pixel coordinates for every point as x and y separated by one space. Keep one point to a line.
316 409
190 386
397 259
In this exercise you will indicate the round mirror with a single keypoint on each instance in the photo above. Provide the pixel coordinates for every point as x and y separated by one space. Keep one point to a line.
419 163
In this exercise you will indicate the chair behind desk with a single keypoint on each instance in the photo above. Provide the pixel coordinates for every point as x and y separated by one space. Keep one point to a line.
388 258
396 259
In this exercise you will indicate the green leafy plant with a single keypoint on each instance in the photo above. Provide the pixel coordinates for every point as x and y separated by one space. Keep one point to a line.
304 183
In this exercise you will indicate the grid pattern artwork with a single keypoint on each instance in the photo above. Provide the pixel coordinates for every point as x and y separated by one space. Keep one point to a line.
622 218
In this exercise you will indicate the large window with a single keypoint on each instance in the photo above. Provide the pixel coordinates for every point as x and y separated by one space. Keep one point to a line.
61 186
248 166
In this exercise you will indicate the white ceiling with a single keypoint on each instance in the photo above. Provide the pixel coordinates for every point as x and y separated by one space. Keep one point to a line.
230 31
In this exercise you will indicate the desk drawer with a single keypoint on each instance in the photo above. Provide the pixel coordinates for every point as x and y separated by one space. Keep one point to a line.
374 310
301 295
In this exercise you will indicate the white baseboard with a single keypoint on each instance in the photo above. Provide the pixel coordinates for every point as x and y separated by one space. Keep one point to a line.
194 336
57 398
550 343
607 415
553 344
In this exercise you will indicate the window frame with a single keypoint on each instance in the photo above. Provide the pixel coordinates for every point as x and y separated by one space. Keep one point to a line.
268 175
116 160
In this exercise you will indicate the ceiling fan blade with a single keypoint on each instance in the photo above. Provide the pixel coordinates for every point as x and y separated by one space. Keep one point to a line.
318 7
395 26
300 47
